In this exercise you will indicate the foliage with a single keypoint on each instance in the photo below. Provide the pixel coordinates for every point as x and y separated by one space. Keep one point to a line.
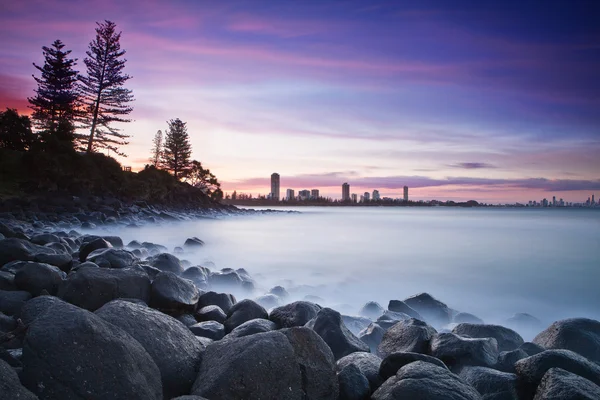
205 180
15 131
104 96
157 149
177 149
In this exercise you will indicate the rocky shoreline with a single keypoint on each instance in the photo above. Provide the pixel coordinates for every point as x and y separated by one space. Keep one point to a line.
85 316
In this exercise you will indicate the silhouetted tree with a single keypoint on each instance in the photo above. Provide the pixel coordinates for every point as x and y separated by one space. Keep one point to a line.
15 131
104 96
202 178
55 103
177 149
157 148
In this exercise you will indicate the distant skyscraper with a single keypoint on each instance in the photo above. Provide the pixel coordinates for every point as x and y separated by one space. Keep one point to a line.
362 198
314 194
554 201
545 203
304 194
376 196
367 196
593 201
275 186
405 193
354 198
345 192
289 194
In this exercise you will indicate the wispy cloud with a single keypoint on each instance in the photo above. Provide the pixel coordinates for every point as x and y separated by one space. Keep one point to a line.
472 165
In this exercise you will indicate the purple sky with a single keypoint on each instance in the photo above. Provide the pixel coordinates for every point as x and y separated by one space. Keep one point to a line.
496 102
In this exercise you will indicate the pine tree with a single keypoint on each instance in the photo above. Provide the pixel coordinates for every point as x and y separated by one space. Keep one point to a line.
177 149
55 103
15 131
157 149
104 96
202 178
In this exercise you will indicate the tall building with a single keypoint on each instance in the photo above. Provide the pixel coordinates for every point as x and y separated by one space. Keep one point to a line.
405 193
275 186
290 195
304 194
593 201
553 201
367 196
354 198
314 194
376 196
345 192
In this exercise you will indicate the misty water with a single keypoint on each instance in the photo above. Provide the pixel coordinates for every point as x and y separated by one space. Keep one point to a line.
489 262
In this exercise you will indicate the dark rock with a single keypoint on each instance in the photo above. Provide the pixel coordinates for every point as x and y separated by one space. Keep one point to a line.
12 358
423 380
355 324
190 397
134 244
402 307
187 320
225 280
558 384
10 386
353 384
62 261
211 313
315 361
268 301
393 362
580 335
507 338
372 310
243 311
193 243
209 329
115 241
171 345
236 369
432 310
88 225
21 250
112 258
224 300
7 281
36 307
252 327
70 353
7 324
171 292
411 335
197 275
467 318
167 263
524 322
372 336
34 277
507 359
456 351
45 238
329 325
280 292
491 384
91 288
367 363
11 302
531 348
86 248
6 231
87 264
297 313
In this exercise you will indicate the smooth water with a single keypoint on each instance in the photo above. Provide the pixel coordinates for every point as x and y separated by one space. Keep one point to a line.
489 262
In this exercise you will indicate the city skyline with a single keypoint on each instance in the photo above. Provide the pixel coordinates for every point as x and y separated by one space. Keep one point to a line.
457 101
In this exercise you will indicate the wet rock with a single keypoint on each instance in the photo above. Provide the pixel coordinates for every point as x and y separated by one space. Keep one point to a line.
243 311
329 325
67 349
209 329
252 327
187 320
7 281
423 380
524 322
225 280
402 307
411 335
353 384
62 261
10 386
193 243
115 241
507 359
507 338
35 277
491 384
372 336
581 335
224 300
563 385
457 351
392 363
371 310
211 313
171 292
45 238
167 263
171 345
198 275
531 348
367 363
91 288
434 311
86 248
280 292
112 258
467 318
268 301
297 313
11 302
36 307
355 324
21 250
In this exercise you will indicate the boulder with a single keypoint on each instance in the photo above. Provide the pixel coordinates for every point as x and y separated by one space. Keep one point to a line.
197 275
91 288
268 301
187 320
193 243
11 302
115 241
353 384
70 353
491 384
329 325
60 260
367 363
411 335
392 363
524 323
457 351
87 247
563 385
507 338
507 359
297 313
531 348
467 318
10 386
243 311
171 292
210 329
7 281
36 307
372 336
261 366
112 258
581 335
35 277
225 280
372 310
402 307
211 313
224 300
252 327
280 292
355 324
423 380
44 238
167 263
171 345
434 311
14 249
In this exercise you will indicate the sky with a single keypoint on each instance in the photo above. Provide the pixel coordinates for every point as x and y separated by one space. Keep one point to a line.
492 101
